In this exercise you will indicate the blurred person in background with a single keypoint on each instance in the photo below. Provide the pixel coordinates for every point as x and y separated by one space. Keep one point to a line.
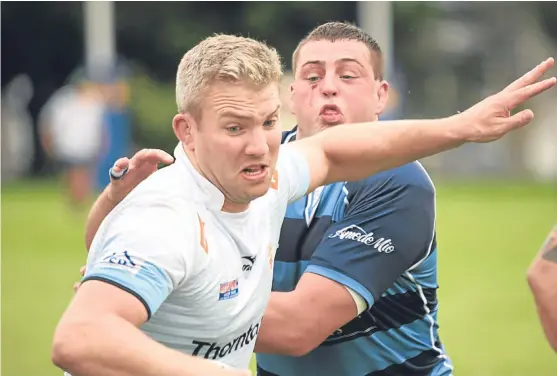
355 273
542 279
71 127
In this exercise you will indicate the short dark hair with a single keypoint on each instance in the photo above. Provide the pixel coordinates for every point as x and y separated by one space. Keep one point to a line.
333 31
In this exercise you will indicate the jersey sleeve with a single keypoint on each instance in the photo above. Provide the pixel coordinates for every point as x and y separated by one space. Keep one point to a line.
388 226
144 252
291 176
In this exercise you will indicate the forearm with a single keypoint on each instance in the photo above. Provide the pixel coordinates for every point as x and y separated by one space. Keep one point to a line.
101 208
114 347
357 151
282 328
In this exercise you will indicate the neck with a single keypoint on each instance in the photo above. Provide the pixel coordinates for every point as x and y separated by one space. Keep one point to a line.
232 207
229 205
300 134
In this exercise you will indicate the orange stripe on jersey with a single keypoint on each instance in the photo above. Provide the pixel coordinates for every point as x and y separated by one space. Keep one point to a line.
202 240
274 180
271 256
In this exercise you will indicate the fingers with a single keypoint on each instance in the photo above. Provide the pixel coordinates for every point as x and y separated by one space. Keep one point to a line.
518 120
82 271
76 286
152 156
522 95
120 167
155 156
532 76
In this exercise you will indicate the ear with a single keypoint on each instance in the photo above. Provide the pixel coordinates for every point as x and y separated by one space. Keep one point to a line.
382 96
184 127
291 104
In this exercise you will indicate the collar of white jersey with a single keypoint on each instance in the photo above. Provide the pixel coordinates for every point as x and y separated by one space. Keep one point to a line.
211 195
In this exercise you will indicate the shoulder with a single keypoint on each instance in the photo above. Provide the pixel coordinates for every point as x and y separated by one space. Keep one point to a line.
411 177
407 185
167 187
159 203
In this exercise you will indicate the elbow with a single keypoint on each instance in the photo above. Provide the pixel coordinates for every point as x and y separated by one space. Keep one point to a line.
531 277
68 347
536 277
88 239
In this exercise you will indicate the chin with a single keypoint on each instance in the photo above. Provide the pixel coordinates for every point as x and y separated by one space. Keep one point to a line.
257 191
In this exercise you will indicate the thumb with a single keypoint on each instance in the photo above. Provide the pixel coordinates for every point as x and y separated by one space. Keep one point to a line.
519 120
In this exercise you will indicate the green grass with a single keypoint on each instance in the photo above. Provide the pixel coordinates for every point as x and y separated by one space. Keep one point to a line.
487 235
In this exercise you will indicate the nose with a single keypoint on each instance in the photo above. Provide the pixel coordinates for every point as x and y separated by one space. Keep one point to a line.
257 145
328 86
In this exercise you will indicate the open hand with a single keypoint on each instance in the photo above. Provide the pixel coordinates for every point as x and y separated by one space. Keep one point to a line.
491 119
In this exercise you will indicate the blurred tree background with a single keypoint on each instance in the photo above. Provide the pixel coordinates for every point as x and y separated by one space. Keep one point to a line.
45 41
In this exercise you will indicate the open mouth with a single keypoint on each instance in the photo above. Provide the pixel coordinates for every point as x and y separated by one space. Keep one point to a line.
330 109
255 171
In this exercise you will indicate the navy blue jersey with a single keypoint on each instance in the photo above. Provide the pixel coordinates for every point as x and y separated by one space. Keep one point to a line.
377 237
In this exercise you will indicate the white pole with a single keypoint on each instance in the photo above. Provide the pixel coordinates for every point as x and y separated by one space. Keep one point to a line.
376 18
100 50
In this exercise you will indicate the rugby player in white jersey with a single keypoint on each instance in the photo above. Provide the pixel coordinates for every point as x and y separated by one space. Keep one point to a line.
165 288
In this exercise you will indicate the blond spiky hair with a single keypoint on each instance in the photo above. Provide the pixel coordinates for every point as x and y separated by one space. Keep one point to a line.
224 58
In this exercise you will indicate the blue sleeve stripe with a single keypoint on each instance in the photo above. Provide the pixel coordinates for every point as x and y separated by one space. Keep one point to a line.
150 283
121 286
344 280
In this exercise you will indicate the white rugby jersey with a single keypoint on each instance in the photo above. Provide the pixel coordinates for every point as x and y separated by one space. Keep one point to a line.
203 275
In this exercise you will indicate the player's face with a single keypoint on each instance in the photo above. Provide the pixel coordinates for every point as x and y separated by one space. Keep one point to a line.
335 84
237 140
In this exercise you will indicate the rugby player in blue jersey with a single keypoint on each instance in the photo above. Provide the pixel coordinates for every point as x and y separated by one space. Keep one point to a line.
374 239
355 273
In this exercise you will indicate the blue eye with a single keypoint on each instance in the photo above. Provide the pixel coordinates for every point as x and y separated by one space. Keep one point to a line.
269 123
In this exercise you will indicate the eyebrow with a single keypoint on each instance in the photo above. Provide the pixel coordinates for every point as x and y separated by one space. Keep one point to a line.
239 115
341 60
274 112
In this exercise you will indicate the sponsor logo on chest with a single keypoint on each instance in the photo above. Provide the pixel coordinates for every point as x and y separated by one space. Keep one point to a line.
228 290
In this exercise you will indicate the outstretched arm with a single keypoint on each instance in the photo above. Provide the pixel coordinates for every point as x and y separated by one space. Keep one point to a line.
353 152
542 278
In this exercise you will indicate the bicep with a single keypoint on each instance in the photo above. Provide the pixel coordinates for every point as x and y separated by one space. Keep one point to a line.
96 299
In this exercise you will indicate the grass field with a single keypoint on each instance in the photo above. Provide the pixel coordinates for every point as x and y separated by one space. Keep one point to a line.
487 236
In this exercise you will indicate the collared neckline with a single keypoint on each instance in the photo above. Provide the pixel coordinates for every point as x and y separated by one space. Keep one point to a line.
211 195
291 136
